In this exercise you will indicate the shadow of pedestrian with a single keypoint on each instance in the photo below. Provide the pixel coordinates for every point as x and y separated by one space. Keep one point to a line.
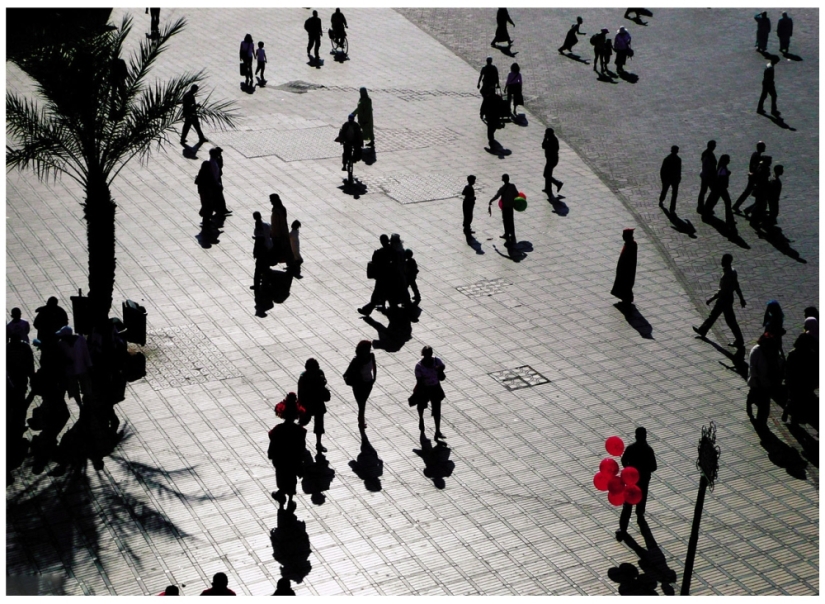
191 152
290 545
206 239
340 56
576 58
520 120
475 244
317 63
259 82
274 289
368 156
368 466
248 88
356 189
517 252
604 77
774 235
791 57
681 226
777 119
506 51
731 235
637 20
781 454
740 364
559 207
397 332
437 463
631 583
810 445
635 319
317 478
498 150
629 77
651 561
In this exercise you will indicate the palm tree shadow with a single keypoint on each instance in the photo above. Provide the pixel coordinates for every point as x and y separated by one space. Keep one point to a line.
774 235
437 463
290 545
368 466
318 476
681 226
781 454
635 319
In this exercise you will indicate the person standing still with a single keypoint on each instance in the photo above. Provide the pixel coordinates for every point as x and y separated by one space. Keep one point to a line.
768 88
294 266
626 270
638 455
784 31
763 30
763 365
190 116
314 30
621 44
512 88
752 165
18 327
550 144
707 174
247 53
508 193
429 373
287 443
360 376
597 41
468 204
728 285
313 396
671 175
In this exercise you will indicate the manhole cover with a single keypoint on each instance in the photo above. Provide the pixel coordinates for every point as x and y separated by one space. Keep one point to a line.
520 377
483 288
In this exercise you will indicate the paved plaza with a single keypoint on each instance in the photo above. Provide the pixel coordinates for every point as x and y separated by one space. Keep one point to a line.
541 366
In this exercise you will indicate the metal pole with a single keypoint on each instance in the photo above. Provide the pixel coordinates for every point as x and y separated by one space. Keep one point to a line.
694 536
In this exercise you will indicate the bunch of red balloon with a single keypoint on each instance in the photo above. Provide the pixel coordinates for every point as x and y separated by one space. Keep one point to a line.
621 487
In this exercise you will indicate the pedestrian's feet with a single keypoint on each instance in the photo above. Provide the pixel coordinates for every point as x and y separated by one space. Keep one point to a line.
203 140
775 112
503 236
620 535
561 184
760 111
364 311
736 344
344 168
362 425
697 330
183 141
321 448
439 436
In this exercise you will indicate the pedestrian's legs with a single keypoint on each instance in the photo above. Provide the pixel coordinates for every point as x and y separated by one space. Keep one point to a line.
319 431
673 193
196 123
710 203
717 310
509 226
702 190
748 189
624 519
663 194
416 295
468 218
729 220
761 106
773 208
730 319
596 59
772 92
317 43
640 507
437 418
491 132
421 417
187 124
309 47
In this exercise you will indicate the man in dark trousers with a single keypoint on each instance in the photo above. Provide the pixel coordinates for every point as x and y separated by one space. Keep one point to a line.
768 88
190 116
761 186
488 78
491 114
597 41
728 285
502 19
752 165
508 193
671 175
639 455
314 29
626 270
468 204
209 189
763 30
381 261
707 174
550 144
784 31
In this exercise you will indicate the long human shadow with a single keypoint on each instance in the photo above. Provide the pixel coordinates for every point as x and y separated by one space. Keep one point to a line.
290 545
191 152
731 235
397 332
62 509
437 463
737 358
575 57
506 51
777 119
781 454
774 235
652 562
680 225
635 319
318 477
631 583
368 466
498 150
559 207
517 252
368 155
475 244
628 76
274 290
810 445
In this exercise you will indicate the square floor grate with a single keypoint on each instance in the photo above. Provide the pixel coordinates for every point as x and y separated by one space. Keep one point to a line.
483 288
520 377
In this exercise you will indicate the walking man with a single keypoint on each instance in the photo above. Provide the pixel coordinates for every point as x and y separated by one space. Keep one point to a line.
768 88
190 116
760 190
728 285
752 165
468 205
707 174
720 189
314 30
784 31
550 144
639 455
488 78
508 193
671 175
380 267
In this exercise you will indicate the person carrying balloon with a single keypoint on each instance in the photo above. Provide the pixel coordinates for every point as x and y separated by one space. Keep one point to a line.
509 195
639 455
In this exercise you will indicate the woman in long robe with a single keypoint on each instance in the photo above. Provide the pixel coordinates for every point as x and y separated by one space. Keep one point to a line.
364 114
281 248
626 269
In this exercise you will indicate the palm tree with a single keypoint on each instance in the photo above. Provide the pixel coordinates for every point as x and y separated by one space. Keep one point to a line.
98 113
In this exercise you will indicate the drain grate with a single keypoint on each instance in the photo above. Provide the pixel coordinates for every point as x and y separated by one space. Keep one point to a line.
484 288
520 377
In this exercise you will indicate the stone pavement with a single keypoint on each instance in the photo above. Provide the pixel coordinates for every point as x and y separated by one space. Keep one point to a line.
508 507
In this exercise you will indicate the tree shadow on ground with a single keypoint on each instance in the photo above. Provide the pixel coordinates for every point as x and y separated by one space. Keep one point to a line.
774 235
318 477
368 466
635 319
651 561
437 463
681 226
781 454
397 332
290 545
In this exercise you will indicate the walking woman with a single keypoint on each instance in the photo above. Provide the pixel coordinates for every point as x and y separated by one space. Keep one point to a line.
360 376
364 113
281 247
247 52
429 373
287 443
262 250
513 87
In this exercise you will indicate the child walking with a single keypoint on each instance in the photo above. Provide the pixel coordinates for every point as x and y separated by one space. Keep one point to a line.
260 54
411 272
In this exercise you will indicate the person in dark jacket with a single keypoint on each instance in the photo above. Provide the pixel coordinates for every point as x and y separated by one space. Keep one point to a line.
48 320
752 165
219 587
360 376
761 190
768 88
190 116
287 443
313 396
707 174
508 193
763 30
550 144
597 41
774 193
784 31
671 175
488 78
720 189
502 19
314 30
621 44
492 114
626 270
572 37
639 455
381 261
339 25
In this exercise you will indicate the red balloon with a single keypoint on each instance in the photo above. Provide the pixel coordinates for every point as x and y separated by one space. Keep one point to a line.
614 445
615 485
609 465
632 494
500 204
616 498
630 475
521 194
601 479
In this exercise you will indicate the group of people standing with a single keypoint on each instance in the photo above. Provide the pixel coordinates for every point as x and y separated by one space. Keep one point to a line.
275 242
395 272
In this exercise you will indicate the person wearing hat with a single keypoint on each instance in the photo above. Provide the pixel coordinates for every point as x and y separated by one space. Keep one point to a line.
508 193
638 455
572 36
190 116
597 41
287 443
784 31
621 44
351 136
626 270
488 78
364 113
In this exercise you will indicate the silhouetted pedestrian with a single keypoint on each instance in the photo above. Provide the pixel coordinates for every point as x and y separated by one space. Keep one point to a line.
190 116
720 189
550 144
360 376
17 327
638 455
171 590
802 376
378 269
364 113
397 292
338 22
209 187
294 266
488 78
572 37
605 55
626 269
621 44
784 31
411 274
774 193
707 174
154 15
76 362
763 371
284 587
508 193
247 53
314 31
468 204
761 191
287 443
492 114
220 201
640 12
429 373
313 396
352 138
262 250
281 246
219 587
48 320
597 42
512 88
260 56
502 19
19 371
768 88
728 285
671 175
763 30
752 165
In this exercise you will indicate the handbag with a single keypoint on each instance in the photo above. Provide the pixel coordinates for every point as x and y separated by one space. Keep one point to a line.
370 270
629 52
441 375
417 395
243 68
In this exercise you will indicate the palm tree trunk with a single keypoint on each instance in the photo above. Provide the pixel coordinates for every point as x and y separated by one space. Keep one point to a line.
100 234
